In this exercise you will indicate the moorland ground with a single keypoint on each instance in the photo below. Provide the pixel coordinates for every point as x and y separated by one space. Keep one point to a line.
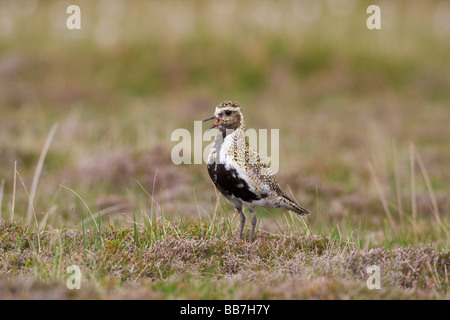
364 145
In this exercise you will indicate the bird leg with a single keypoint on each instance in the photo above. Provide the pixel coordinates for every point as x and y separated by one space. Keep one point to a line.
241 212
253 224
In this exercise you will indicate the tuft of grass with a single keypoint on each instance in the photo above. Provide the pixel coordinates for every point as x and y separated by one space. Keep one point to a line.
37 173
2 189
401 228
338 93
187 261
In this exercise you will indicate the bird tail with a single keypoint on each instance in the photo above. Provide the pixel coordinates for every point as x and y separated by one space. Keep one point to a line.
290 204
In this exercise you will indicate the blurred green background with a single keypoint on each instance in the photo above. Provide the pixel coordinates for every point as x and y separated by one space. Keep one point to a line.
351 104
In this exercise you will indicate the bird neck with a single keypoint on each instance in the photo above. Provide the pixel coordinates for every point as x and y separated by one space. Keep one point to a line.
242 126
225 132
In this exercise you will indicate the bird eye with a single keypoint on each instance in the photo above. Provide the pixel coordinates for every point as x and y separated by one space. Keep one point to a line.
228 112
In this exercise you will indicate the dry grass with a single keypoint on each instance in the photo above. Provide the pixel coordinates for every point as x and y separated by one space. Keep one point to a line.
364 144
188 257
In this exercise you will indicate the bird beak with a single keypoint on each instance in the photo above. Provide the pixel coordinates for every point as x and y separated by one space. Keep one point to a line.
215 124
210 118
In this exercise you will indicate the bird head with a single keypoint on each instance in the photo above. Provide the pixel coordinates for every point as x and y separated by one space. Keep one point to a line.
228 115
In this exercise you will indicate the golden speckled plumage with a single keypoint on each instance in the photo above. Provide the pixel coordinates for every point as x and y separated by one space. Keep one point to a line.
238 171
257 170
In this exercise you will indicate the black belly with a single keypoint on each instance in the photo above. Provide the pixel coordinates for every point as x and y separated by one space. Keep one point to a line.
228 182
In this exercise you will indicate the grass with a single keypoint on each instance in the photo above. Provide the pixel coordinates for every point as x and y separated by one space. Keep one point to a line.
188 261
364 145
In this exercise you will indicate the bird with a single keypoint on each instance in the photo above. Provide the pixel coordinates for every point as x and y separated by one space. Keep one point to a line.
239 172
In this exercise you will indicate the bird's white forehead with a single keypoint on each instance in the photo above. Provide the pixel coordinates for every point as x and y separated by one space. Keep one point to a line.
224 108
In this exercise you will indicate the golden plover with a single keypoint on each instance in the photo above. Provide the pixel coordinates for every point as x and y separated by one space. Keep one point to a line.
238 171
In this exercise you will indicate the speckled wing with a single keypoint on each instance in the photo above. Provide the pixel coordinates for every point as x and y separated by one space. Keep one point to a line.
260 178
